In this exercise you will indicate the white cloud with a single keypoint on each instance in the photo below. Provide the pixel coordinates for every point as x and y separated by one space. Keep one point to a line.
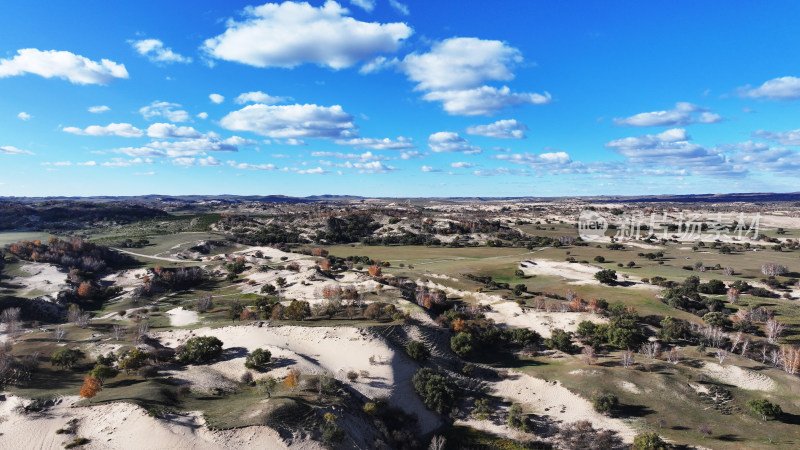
208 161
682 114
99 109
317 171
484 100
449 142
378 64
24 116
11 150
202 115
373 167
399 7
258 97
182 148
112 129
783 88
88 163
791 137
366 5
461 63
167 110
247 166
122 162
502 129
216 98
428 169
292 121
62 64
367 156
401 143
463 165
290 34
500 171
412 155
145 173
172 131
551 160
454 72
155 51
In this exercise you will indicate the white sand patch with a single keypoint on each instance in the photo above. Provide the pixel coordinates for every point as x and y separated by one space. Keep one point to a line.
699 388
552 399
440 276
739 377
126 426
512 315
43 277
581 274
127 279
630 387
179 317
335 350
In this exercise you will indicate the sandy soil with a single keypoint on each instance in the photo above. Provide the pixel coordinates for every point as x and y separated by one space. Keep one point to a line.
739 377
579 273
125 426
512 315
43 277
314 350
179 317
552 399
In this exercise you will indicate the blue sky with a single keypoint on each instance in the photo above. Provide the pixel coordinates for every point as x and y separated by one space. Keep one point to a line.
399 98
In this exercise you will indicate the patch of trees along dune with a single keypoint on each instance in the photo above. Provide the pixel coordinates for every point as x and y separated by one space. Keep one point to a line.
71 215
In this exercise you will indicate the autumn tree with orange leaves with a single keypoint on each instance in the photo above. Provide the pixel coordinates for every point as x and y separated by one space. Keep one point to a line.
375 270
91 386
292 379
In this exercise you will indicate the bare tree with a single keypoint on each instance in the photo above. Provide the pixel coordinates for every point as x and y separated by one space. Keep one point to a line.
737 339
59 333
437 443
790 359
721 355
570 295
119 331
773 329
745 345
10 315
650 350
772 269
203 303
83 320
627 358
673 356
733 296
728 271
589 355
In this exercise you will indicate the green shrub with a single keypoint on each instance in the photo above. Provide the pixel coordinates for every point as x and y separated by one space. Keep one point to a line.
605 402
258 359
765 408
438 392
560 340
65 358
649 441
462 344
418 351
606 276
198 350
77 442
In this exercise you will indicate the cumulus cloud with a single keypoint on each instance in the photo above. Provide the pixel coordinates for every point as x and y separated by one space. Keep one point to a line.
533 160
783 88
412 155
378 64
461 63
366 5
216 98
449 142
682 114
463 165
367 156
169 111
791 137
500 171
484 100
672 148
258 97
402 8
292 121
502 129
454 72
428 169
208 161
247 166
112 129
317 171
183 148
763 158
11 150
24 116
202 115
172 131
290 34
99 109
401 143
154 50
62 64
